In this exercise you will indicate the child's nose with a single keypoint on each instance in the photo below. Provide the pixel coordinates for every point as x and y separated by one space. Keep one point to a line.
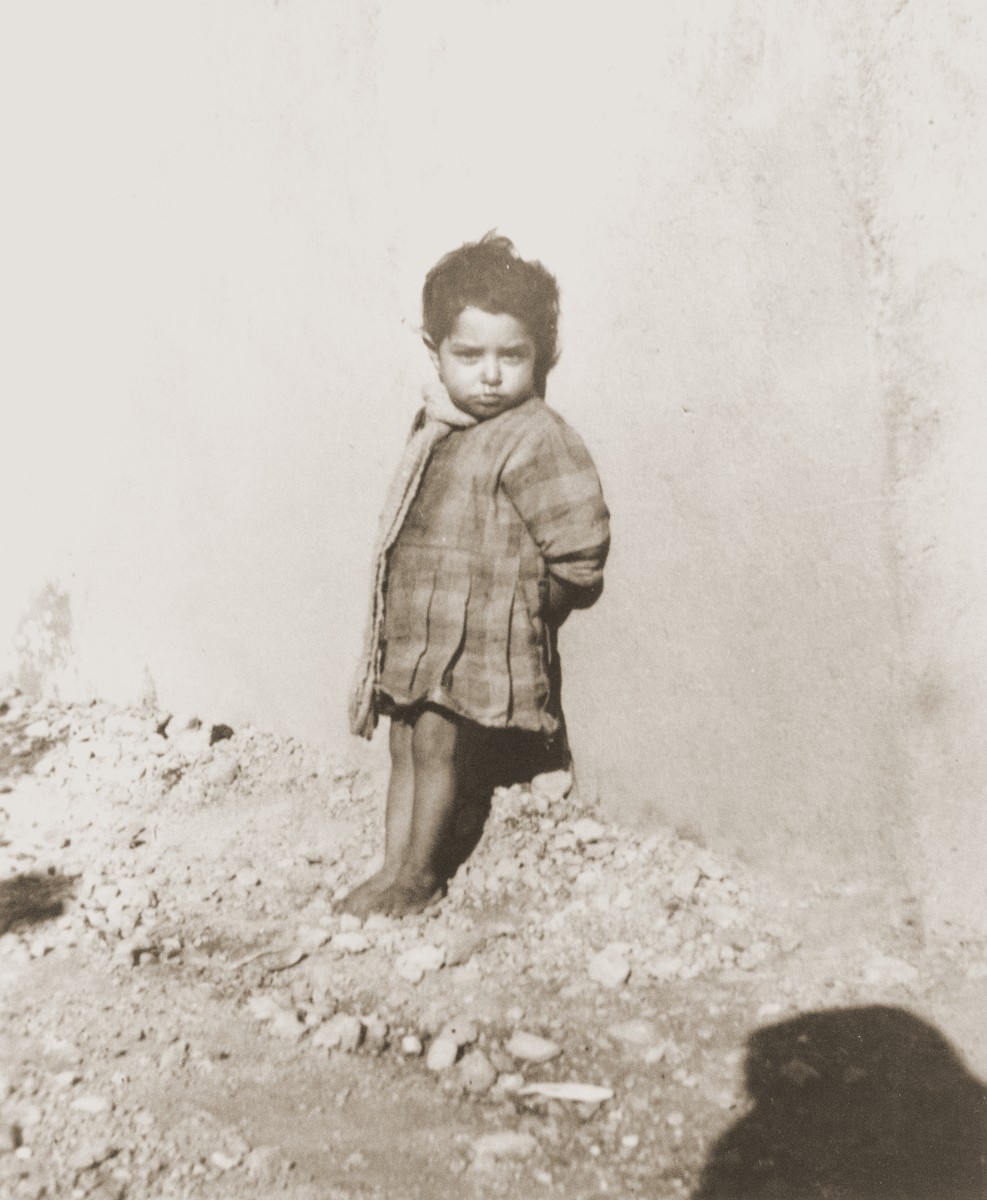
491 369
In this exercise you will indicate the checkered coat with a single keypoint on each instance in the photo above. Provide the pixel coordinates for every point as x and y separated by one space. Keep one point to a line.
501 504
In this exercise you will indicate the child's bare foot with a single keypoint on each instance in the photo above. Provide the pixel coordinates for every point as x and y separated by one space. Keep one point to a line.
412 892
361 901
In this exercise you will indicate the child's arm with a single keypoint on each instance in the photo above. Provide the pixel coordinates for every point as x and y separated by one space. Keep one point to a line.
553 484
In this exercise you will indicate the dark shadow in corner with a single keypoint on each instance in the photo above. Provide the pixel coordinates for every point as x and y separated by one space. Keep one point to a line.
853 1104
493 758
31 899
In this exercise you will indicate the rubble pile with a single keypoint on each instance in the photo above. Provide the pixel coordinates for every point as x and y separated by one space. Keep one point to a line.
554 989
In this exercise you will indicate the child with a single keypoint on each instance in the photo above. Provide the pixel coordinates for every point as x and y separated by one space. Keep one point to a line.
494 530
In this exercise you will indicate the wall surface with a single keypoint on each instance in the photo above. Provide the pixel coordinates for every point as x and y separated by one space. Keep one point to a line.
764 219
928 97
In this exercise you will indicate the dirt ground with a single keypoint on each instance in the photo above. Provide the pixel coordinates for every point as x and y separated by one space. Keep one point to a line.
592 1011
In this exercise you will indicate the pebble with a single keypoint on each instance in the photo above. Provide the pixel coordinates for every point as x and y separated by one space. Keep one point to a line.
609 969
529 1047
665 967
506 1144
10 1138
685 883
635 1032
222 774
349 923
477 1073
285 1024
460 1030
263 1164
92 1105
579 1093
351 943
223 1162
264 1007
553 785
588 831
442 1054
411 1046
341 1032
92 1155
413 964
509 1082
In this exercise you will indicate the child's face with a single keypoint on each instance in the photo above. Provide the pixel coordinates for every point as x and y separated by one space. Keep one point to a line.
486 363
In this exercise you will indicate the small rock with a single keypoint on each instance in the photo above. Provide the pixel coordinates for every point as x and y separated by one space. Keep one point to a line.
38 729
636 1032
350 943
505 1145
553 785
460 1030
708 865
587 830
509 1083
413 964
578 1093
263 1164
461 946
223 1162
411 1046
222 773
685 882
375 1034
349 923
442 1054
92 1155
263 1006
609 969
285 1024
311 938
529 1047
477 1073
10 1138
341 1032
92 1105
665 967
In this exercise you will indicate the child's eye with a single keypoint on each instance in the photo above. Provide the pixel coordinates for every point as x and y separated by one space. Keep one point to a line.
468 355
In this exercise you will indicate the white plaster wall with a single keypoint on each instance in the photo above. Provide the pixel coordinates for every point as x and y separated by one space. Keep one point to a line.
928 96
221 219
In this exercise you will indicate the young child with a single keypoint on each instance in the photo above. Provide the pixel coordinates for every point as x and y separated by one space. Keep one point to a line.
494 530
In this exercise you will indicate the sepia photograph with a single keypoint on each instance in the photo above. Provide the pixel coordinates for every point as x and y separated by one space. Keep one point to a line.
493 600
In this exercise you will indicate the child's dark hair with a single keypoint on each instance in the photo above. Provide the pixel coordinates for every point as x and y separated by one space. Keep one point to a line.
492 276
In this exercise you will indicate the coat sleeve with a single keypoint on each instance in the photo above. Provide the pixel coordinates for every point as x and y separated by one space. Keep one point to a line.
552 482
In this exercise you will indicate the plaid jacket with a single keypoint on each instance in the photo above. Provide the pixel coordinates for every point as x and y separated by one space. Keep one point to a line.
502 503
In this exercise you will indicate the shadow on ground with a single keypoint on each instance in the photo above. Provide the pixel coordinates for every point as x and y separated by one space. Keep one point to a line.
853 1104
31 899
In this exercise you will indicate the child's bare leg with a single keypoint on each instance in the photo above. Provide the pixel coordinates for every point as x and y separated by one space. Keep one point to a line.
434 748
397 823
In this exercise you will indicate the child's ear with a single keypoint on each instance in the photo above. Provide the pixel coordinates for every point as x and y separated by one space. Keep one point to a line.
433 350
